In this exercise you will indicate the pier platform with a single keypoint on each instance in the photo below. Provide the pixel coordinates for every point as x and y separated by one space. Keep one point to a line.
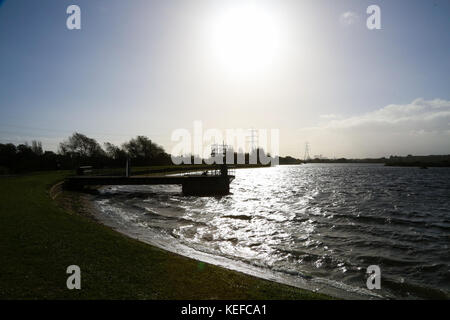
198 185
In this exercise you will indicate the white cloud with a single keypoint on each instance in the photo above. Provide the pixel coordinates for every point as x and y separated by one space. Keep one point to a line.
418 115
330 116
420 127
349 18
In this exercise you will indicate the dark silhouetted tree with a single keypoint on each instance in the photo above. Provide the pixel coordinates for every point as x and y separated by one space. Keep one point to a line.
81 145
36 147
145 152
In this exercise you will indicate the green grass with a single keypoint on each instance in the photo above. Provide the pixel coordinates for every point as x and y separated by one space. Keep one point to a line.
38 240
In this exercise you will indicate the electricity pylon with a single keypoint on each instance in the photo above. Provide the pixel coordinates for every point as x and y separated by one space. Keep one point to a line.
307 155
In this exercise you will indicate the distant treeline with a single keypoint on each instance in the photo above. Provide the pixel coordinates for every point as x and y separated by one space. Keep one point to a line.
80 150
419 161
345 160
408 161
289 160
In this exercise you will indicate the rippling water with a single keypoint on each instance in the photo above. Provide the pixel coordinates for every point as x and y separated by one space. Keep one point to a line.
322 224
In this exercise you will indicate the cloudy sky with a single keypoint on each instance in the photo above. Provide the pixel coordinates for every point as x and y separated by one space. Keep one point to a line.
311 69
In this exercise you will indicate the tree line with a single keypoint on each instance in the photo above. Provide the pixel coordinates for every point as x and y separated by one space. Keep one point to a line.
80 150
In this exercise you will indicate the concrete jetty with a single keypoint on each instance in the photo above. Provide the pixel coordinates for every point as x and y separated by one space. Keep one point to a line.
199 185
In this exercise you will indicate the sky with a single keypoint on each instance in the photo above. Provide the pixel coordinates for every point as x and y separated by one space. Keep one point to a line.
311 69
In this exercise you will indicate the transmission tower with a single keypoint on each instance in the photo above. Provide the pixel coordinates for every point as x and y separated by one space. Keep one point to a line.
307 150
253 139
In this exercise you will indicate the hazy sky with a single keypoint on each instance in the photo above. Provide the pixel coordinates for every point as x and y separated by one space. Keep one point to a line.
309 68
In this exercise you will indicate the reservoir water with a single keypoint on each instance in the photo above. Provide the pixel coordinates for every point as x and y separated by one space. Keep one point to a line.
317 226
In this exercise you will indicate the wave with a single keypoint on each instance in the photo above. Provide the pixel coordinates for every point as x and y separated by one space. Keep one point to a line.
325 222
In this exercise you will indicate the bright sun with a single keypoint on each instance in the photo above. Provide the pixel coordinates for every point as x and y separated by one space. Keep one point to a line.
246 38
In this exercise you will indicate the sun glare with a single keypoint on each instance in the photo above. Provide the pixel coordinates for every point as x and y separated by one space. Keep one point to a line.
246 38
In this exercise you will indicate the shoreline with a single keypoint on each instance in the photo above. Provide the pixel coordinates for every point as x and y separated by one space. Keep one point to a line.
44 230
79 204
40 239
315 286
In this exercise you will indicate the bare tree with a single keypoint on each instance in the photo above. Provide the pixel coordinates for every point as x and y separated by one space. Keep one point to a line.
36 147
114 152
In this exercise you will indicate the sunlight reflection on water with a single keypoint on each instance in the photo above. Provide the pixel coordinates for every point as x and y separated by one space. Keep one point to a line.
329 221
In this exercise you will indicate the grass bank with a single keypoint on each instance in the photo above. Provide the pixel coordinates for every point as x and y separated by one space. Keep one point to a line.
39 239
